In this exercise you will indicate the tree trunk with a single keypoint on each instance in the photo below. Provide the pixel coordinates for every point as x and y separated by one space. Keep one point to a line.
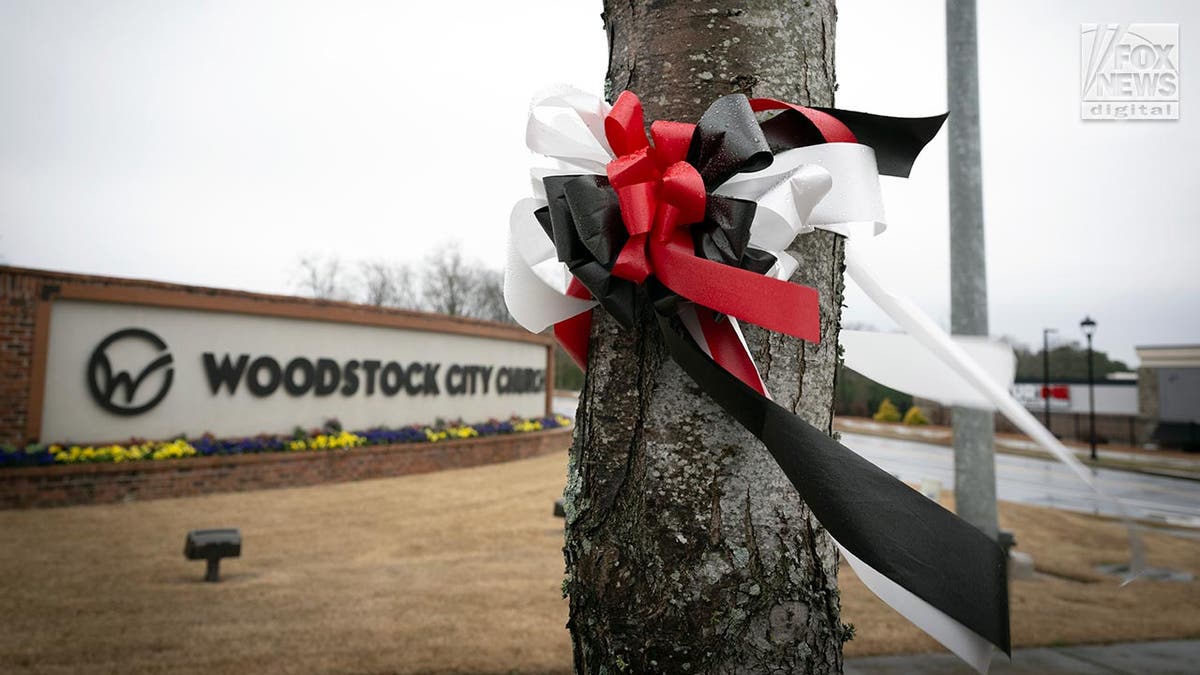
687 548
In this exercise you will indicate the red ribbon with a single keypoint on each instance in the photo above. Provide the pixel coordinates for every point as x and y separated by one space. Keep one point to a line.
574 333
660 194
831 128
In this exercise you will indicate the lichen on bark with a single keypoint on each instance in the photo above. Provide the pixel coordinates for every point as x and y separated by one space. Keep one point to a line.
687 548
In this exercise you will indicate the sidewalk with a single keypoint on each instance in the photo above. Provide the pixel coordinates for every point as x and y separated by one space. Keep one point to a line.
1155 462
1173 657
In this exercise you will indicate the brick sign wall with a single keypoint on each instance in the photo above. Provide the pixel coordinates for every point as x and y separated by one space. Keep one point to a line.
89 359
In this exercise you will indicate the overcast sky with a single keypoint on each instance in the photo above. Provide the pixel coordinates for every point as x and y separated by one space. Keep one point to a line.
215 143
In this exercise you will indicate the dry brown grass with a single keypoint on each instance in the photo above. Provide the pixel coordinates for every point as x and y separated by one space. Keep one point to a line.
451 572
458 570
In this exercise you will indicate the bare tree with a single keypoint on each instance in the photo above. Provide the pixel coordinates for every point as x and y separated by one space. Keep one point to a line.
487 297
321 277
687 548
452 284
448 281
386 284
449 284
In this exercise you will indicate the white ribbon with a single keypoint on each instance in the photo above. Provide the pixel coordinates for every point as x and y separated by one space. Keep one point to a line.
923 329
856 195
854 199
568 125
962 641
535 282
898 361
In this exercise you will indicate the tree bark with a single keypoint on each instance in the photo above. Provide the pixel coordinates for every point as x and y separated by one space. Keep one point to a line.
687 548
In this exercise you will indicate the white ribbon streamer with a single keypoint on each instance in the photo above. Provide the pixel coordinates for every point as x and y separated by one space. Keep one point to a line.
856 196
965 643
898 361
534 302
568 125
918 325
591 109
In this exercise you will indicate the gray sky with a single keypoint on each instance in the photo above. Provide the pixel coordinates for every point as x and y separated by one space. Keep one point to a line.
214 143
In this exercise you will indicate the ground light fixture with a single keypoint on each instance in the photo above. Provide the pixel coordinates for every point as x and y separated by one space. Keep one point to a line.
211 546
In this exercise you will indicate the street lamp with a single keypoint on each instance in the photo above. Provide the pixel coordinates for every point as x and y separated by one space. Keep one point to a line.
1089 328
1046 373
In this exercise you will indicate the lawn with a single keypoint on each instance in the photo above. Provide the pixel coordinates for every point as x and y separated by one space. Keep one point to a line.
456 571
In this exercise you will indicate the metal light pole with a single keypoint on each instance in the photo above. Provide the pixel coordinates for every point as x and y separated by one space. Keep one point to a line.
974 458
1046 374
1089 328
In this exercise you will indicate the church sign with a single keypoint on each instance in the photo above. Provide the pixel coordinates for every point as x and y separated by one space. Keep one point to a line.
122 363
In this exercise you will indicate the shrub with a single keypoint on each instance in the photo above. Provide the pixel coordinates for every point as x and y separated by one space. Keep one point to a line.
887 412
915 417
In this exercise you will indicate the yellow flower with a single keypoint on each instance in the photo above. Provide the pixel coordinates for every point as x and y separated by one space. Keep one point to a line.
526 426
171 450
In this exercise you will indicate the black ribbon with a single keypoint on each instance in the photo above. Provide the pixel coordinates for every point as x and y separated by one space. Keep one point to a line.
897 140
896 530
727 141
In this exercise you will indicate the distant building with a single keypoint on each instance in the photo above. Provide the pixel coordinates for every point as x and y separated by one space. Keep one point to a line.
1169 394
1114 396
1117 416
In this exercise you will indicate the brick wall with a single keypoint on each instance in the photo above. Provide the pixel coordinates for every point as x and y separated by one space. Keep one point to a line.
18 306
37 487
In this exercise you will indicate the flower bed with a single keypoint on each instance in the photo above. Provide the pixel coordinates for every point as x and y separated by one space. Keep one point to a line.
311 459
330 437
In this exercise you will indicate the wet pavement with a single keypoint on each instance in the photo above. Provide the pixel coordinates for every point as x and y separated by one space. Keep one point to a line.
1042 482
1027 480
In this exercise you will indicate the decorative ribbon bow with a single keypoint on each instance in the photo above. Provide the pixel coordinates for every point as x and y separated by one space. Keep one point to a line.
652 215
695 220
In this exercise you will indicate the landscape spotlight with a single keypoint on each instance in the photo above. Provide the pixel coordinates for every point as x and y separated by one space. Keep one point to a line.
212 545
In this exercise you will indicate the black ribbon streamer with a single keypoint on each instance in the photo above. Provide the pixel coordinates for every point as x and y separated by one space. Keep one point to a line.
897 140
888 525
896 530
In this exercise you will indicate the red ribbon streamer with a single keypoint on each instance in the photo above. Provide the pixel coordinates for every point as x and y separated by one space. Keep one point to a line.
830 127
